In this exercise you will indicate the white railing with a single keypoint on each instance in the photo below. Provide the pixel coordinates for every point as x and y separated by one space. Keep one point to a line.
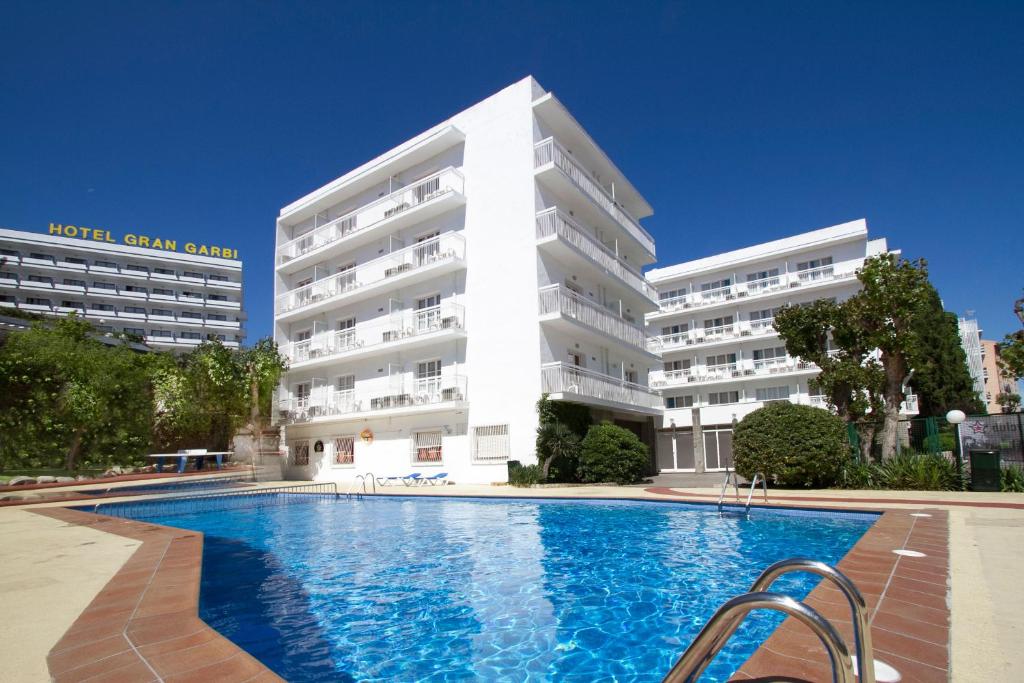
399 201
909 405
569 379
818 401
815 274
559 299
554 222
661 378
446 247
327 401
408 324
740 369
761 288
549 151
767 284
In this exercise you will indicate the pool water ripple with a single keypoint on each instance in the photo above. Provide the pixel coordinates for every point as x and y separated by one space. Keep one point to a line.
444 589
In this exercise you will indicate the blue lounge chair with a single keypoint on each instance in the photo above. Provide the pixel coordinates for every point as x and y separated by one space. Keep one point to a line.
439 478
408 480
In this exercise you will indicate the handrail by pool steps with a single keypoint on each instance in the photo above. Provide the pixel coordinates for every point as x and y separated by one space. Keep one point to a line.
361 478
723 624
730 477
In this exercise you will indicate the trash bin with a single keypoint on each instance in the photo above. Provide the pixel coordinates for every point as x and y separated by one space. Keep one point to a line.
984 470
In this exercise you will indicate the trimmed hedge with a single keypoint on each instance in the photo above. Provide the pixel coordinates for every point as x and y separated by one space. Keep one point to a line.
612 453
793 445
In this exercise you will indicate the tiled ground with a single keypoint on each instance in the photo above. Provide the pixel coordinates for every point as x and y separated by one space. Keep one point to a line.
144 625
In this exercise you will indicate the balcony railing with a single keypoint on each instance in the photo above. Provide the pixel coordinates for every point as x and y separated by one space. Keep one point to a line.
549 151
559 299
449 316
754 288
563 378
446 247
326 401
554 222
707 335
399 201
743 369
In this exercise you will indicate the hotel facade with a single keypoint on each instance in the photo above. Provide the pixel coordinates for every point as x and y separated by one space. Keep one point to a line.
427 299
721 356
173 300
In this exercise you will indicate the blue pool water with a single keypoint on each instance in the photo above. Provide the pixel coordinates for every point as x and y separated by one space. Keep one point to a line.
418 589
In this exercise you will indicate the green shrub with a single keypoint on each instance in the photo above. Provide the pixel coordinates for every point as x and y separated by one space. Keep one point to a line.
558 452
1012 480
611 453
792 445
919 472
524 476
856 474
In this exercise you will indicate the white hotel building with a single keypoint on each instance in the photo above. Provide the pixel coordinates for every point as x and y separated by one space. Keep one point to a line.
429 297
721 356
173 300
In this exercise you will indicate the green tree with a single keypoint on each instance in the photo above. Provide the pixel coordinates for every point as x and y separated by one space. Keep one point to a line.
1011 350
1008 402
612 453
262 367
556 443
941 378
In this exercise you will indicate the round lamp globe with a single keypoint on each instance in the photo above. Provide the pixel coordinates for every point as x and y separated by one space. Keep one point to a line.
955 416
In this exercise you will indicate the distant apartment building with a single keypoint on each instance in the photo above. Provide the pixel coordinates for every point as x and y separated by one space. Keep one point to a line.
970 340
428 298
171 299
994 381
721 356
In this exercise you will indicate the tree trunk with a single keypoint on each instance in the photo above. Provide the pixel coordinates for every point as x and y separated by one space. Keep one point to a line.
254 405
895 370
867 440
545 466
76 446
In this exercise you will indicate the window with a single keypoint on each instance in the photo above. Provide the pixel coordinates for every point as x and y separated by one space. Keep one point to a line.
137 331
74 283
814 263
9 252
104 285
216 297
164 271
162 311
137 269
773 394
345 383
577 359
427 447
716 284
816 269
190 335
7 275
136 288
75 259
677 365
7 298
672 294
73 304
191 314
762 318
679 401
217 278
716 398
192 274
344 450
42 257
134 309
40 278
346 275
163 292
192 295
222 337
105 264
763 275
772 356
721 359
491 443
38 302
161 333
717 324
428 249
216 316
428 312
428 379
300 453
674 330
102 307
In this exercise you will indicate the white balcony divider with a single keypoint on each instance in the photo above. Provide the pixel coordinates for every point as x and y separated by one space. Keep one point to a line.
368 215
327 401
549 151
554 222
448 316
569 379
559 299
446 247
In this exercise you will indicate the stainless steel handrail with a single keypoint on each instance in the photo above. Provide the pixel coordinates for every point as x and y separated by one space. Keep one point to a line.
861 624
728 618
753 486
730 475
373 482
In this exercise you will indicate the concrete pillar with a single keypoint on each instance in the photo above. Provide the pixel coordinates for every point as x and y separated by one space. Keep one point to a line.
698 442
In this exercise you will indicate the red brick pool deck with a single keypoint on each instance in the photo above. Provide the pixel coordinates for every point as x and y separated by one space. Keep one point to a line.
144 625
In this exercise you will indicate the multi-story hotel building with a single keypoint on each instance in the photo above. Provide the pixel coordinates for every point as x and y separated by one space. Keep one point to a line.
427 299
173 300
994 382
721 356
970 341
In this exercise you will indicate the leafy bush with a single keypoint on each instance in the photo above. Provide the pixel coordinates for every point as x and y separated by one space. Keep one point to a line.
612 453
792 445
558 452
919 472
524 477
1012 480
856 474
573 415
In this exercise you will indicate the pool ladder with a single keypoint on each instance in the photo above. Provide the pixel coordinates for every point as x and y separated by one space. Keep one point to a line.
729 616
361 478
730 478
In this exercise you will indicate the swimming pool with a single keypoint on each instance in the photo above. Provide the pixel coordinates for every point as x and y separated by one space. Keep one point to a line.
422 588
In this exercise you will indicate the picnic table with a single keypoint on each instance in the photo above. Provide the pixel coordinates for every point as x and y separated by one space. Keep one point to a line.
200 455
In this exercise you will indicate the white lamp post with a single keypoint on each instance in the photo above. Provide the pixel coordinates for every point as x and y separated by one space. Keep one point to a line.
955 417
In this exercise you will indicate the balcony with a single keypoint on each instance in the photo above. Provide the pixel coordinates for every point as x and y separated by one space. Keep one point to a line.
731 372
571 383
755 289
553 162
325 403
561 305
415 203
416 328
404 267
710 336
570 241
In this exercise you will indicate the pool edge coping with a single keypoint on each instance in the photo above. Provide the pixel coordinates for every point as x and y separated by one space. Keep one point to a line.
788 648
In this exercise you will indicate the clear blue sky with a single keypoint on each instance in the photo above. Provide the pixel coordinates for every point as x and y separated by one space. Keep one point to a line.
740 122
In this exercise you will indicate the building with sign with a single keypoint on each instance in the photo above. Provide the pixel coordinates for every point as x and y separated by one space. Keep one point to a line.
172 299
427 299
721 356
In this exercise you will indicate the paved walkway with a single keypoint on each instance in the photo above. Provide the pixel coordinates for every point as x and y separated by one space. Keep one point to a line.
54 569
